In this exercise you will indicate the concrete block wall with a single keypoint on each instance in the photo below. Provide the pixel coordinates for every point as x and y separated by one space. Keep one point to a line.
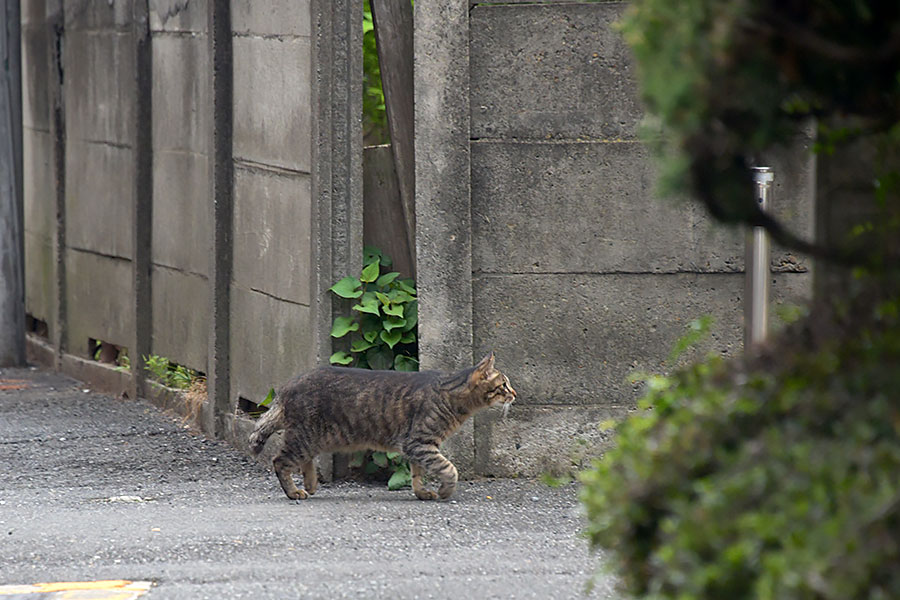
98 74
575 274
171 152
272 195
181 219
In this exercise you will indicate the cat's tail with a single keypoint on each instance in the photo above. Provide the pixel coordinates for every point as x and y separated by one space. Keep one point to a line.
269 423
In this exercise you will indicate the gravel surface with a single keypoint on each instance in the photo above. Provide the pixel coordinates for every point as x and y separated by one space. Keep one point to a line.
100 488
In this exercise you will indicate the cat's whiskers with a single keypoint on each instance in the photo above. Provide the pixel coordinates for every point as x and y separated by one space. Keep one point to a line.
506 406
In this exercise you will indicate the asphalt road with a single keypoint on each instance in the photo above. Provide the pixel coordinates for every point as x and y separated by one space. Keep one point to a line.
100 488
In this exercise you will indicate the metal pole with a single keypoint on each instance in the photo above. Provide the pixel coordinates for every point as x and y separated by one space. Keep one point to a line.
12 270
756 302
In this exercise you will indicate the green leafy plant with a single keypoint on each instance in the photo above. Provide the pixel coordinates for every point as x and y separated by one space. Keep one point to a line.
382 328
382 335
168 373
393 462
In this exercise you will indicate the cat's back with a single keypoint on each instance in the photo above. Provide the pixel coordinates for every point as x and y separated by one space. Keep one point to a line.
345 385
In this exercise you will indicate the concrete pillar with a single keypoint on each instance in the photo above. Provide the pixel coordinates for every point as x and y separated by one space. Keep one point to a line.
221 190
12 273
443 197
142 195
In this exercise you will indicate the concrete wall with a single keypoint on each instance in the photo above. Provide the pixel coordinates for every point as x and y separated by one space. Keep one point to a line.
98 59
170 171
181 226
272 201
573 272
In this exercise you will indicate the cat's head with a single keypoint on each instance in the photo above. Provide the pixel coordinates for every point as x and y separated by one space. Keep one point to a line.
493 385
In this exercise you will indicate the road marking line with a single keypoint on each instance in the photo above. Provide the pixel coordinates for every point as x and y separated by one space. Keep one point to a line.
114 589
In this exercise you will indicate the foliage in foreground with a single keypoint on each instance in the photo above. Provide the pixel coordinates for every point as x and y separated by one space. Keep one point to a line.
777 477
725 81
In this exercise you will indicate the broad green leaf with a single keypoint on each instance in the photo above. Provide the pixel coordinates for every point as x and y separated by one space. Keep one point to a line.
340 358
348 287
380 358
380 459
391 338
383 298
407 285
371 336
393 455
399 296
360 346
387 278
368 304
408 338
342 326
371 254
394 309
400 479
356 459
391 322
411 315
405 363
269 397
370 272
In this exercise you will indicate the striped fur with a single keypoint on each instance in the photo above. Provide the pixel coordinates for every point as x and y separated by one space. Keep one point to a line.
334 409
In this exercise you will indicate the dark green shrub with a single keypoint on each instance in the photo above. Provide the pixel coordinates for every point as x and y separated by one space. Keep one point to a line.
775 477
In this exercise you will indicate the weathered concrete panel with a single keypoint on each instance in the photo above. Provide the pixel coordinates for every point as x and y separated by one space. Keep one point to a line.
573 208
35 94
551 71
99 209
180 93
574 339
40 204
181 216
33 12
180 317
272 95
271 342
92 14
40 278
99 86
99 300
272 247
591 207
178 15
534 440
279 17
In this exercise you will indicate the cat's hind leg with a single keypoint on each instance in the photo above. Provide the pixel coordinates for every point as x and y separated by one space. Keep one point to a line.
418 485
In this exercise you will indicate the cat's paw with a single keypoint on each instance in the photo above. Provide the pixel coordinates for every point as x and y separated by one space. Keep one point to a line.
445 491
298 495
426 495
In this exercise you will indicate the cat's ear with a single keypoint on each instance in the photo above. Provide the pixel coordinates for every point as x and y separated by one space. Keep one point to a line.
484 366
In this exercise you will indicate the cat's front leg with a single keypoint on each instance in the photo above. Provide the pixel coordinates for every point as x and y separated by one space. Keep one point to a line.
418 484
435 464
283 470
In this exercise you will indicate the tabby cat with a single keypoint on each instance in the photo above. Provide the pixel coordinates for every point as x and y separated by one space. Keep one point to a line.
335 409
